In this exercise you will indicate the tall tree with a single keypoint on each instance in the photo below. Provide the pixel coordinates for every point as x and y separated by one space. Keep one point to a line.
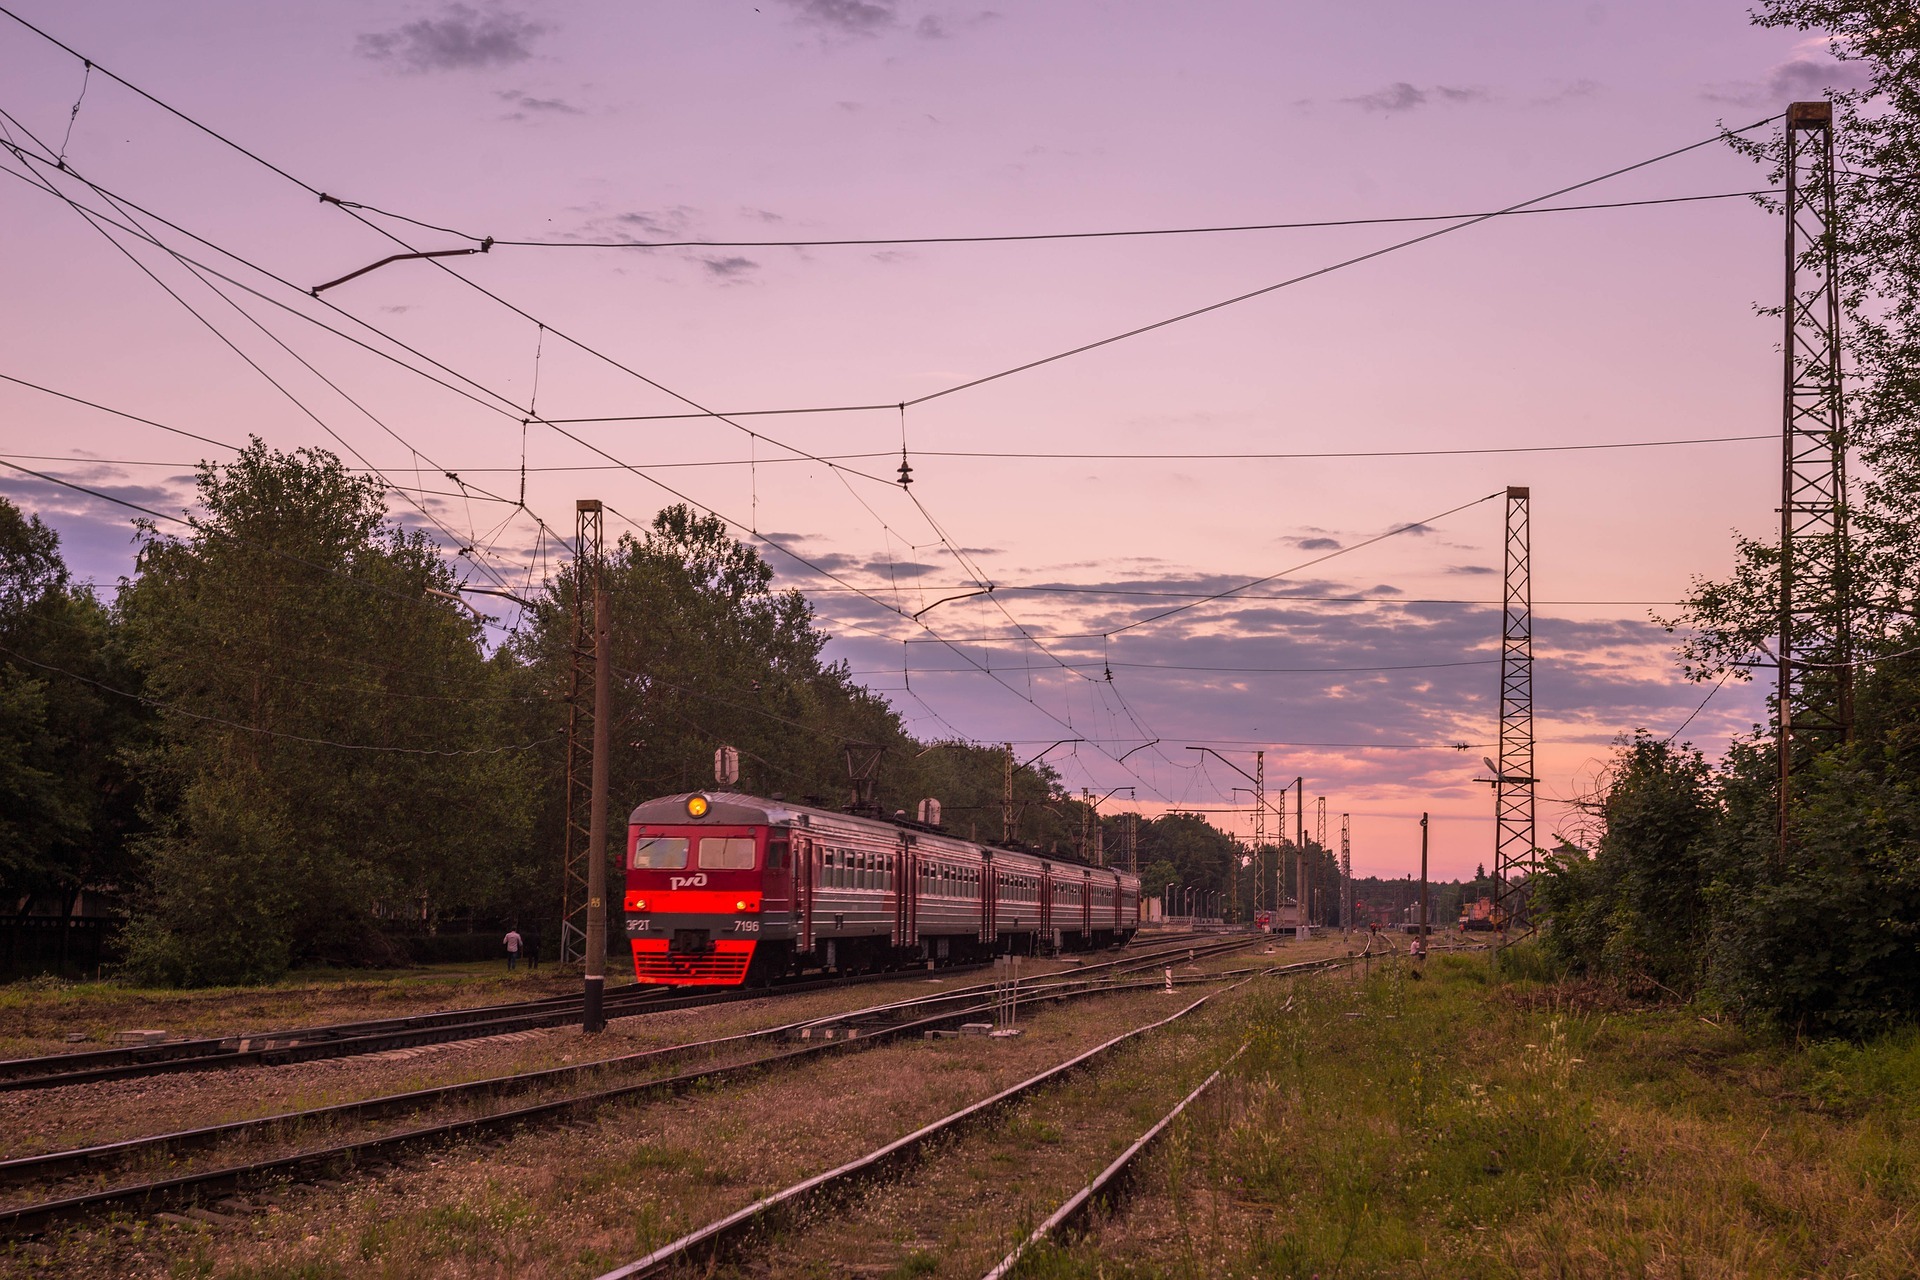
329 729
67 799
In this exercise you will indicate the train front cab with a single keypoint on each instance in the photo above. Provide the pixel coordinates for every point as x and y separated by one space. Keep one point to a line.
703 902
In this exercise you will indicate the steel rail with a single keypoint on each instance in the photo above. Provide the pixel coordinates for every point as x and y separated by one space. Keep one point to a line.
212 1051
282 1048
55 1163
716 1236
1067 977
1080 1201
27 1218
350 1039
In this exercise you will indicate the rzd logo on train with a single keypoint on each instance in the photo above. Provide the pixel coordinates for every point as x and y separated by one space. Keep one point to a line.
689 882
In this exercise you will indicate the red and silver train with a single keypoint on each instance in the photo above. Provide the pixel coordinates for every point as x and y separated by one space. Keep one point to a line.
723 889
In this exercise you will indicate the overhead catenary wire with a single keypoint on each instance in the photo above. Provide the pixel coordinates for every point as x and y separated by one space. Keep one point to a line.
1304 564
948 391
480 395
1317 273
1176 666
481 388
263 548
273 733
276 383
1117 337
1032 236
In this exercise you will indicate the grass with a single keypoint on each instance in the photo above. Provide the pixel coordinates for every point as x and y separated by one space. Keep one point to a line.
1456 1125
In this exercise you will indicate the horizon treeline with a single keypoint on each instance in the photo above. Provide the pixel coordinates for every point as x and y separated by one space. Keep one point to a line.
283 741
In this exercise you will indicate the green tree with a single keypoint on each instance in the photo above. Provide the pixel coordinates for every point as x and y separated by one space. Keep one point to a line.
329 746
67 800
1636 909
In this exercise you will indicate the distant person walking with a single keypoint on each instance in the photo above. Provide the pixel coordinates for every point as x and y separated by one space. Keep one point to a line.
533 948
513 947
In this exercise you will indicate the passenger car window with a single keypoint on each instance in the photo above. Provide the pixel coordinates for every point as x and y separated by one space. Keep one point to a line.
724 853
659 853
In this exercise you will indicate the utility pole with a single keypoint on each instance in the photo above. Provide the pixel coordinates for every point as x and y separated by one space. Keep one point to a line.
1086 807
1423 884
1259 827
595 967
1006 800
1346 872
1516 841
577 847
1133 848
1815 702
1302 929
1280 858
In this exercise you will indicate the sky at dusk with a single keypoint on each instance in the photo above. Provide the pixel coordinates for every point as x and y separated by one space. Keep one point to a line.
816 120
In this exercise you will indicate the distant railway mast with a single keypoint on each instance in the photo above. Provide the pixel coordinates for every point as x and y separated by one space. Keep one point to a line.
1815 698
1346 870
1320 839
1515 839
1260 831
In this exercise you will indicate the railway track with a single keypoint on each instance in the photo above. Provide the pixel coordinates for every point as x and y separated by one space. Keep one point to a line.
1107 1180
349 1039
706 1247
861 1029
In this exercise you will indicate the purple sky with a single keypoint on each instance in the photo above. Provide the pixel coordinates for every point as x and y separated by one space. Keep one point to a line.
821 119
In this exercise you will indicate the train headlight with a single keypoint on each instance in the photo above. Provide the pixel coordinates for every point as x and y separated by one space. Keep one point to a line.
740 905
697 806
639 904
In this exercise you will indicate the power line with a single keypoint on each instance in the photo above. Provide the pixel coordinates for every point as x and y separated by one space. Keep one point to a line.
118 413
123 202
1063 235
1305 564
1044 457
1172 666
269 733
241 542
1328 270
948 391
235 348
569 435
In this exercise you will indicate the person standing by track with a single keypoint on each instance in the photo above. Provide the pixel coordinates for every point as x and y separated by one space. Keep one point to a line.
512 941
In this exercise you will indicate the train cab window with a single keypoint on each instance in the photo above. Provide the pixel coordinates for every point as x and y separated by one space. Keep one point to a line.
724 853
660 853
776 855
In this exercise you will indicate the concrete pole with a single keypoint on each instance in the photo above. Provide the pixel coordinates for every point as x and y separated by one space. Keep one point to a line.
1303 929
1423 884
592 1020
1006 799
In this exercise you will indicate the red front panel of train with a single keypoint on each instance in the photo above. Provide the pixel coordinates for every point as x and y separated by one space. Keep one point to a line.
693 902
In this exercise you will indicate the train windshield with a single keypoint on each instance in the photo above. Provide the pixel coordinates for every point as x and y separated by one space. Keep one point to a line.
723 853
660 853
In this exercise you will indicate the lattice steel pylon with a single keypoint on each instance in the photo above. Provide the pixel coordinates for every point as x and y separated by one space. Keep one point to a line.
1815 700
1320 839
588 563
1515 840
